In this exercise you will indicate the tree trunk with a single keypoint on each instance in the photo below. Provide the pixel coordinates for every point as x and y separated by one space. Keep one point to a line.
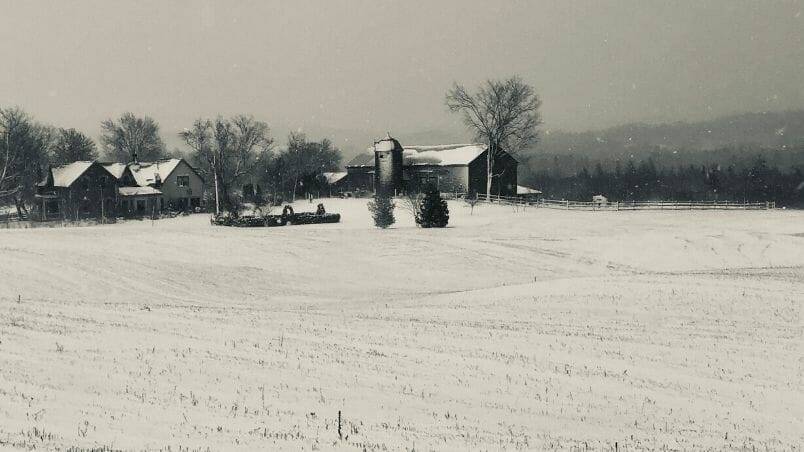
20 207
489 171
217 201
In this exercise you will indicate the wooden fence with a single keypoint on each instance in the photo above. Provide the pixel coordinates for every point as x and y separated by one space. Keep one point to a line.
620 205
11 217
11 220
655 205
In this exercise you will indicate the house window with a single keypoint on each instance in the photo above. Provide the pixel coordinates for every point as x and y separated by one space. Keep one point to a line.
183 181
52 206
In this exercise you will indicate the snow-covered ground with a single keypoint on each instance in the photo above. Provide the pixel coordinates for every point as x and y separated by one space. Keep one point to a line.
510 329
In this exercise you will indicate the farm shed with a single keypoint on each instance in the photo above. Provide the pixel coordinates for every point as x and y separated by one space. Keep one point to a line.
600 200
335 181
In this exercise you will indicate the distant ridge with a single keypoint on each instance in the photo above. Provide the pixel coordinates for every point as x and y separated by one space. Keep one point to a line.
772 130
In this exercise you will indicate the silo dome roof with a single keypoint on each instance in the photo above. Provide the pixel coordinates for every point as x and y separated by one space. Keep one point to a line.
387 144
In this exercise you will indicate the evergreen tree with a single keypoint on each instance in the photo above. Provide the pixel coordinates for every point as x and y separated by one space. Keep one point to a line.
382 210
758 177
713 180
434 212
601 181
630 181
738 177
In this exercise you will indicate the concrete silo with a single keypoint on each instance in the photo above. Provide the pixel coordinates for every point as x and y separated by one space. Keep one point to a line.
387 166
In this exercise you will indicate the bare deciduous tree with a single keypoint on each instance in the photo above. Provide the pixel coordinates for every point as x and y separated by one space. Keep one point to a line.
23 157
131 137
504 114
411 202
226 149
304 161
471 199
71 145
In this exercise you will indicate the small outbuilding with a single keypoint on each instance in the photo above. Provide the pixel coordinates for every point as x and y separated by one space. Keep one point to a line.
335 182
600 200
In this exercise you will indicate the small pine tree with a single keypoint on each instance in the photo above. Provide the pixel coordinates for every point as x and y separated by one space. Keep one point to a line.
433 212
382 210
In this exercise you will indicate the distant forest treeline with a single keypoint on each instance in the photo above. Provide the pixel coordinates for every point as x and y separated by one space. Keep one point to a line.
751 157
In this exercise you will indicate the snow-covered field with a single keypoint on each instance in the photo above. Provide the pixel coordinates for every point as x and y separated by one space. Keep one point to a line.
532 329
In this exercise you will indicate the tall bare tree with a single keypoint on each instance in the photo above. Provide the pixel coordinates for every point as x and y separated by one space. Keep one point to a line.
226 150
71 145
23 157
131 137
504 114
304 160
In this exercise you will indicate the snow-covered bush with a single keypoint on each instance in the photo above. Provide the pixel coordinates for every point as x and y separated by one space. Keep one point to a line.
382 210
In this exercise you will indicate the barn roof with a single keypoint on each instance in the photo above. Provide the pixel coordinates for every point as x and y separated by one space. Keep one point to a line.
442 155
364 159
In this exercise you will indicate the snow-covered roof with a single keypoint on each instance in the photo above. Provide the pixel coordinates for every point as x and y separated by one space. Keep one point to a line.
65 175
332 178
139 191
115 168
145 172
364 159
443 155
522 190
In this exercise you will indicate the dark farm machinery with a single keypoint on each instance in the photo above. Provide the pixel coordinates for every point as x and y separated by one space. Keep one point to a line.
288 217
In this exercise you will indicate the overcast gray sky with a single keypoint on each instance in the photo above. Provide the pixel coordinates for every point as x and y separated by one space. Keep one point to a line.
373 66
